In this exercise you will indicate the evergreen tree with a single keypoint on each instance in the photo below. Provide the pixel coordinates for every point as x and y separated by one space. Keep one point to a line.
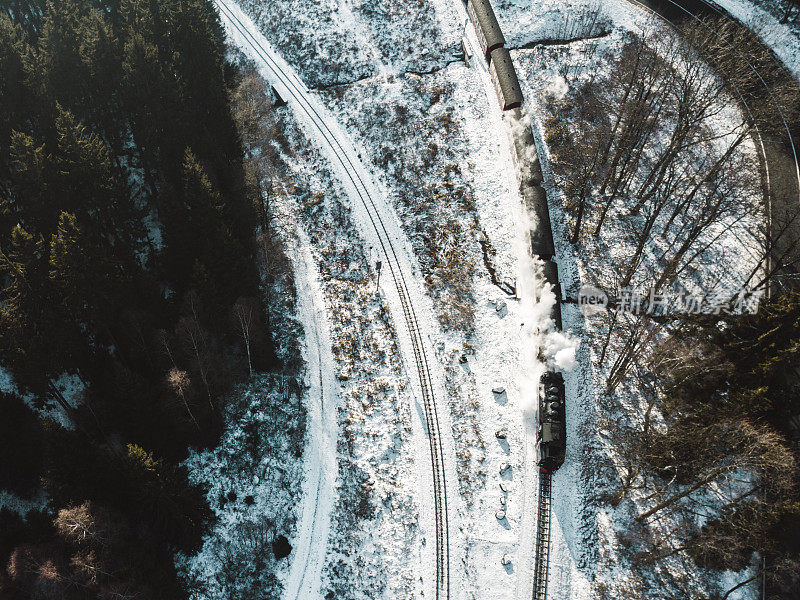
102 101
83 274
39 341
13 91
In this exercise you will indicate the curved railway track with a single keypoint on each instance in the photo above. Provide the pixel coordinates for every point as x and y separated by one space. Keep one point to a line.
297 95
780 191
779 156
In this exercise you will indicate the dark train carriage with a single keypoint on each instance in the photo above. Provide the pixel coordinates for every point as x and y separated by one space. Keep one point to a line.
525 158
486 25
505 79
542 235
551 431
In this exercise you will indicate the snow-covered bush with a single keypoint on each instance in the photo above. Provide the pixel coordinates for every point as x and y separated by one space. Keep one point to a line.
253 479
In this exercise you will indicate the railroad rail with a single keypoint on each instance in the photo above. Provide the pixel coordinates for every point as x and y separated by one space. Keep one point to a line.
398 278
541 564
780 195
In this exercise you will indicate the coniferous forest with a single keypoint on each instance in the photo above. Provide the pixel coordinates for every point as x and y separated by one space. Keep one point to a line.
126 244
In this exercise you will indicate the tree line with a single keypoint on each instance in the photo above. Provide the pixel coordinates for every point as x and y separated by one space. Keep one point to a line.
651 159
715 448
129 260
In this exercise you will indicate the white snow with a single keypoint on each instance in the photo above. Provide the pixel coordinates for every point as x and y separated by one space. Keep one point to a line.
319 472
252 478
451 114
374 548
365 196
585 558
70 387
21 506
783 38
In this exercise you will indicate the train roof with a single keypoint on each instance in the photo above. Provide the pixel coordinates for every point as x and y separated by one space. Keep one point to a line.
551 432
552 377
506 77
488 23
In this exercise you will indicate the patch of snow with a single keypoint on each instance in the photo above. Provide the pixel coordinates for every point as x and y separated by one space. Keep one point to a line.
253 478
585 555
70 386
319 493
366 197
22 506
783 38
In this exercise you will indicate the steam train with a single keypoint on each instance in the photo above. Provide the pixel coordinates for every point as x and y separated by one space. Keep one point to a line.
551 429
504 76
551 423
551 426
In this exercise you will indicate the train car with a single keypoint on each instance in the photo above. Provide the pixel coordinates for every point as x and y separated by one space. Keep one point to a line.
486 25
504 77
526 160
551 430
551 277
535 199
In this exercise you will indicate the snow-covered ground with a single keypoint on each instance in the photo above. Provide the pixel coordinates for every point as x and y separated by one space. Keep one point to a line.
253 479
527 22
331 42
22 506
763 17
69 386
373 549
368 204
587 559
453 185
430 134
319 480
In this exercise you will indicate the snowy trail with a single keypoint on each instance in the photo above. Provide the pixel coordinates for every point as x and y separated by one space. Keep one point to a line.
379 226
319 487
529 347
530 366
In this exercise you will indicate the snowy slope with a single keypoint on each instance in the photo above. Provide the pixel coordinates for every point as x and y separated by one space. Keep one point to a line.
368 203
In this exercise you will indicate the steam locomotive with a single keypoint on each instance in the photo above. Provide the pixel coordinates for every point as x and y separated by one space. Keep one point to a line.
551 433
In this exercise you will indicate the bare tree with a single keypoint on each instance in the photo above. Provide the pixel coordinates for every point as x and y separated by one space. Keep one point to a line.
197 347
85 524
732 450
638 334
244 313
180 383
791 8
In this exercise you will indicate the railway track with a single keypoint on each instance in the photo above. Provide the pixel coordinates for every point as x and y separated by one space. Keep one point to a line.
298 96
542 560
779 151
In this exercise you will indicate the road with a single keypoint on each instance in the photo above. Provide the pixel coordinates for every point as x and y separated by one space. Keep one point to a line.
398 283
319 486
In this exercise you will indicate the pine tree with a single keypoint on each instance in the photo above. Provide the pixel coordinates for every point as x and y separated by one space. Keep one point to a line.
39 341
34 180
84 277
64 76
13 90
100 54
